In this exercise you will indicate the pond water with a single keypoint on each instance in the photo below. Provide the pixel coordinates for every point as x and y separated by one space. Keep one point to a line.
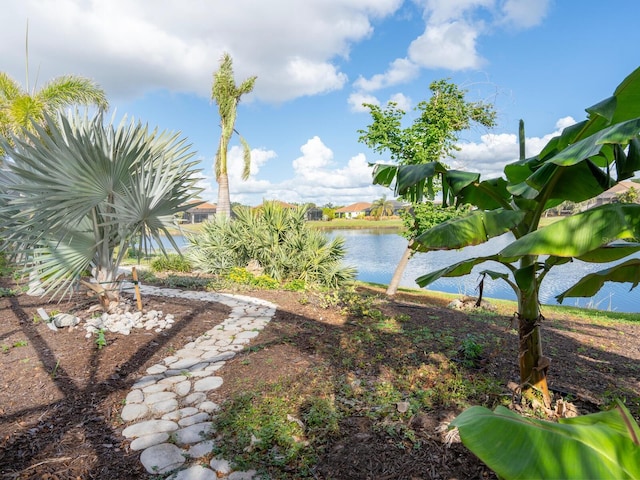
375 253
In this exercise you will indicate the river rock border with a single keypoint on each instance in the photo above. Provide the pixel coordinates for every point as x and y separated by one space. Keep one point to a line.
168 410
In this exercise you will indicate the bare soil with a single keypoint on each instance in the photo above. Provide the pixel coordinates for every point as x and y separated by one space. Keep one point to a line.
61 395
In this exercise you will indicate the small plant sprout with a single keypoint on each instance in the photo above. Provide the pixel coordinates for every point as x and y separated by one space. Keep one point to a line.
100 340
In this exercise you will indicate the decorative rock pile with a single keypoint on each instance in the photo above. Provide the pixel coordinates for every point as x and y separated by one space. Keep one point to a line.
122 320
168 408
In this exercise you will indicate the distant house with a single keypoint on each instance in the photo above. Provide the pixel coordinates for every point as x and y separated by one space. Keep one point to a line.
611 195
314 213
200 213
354 210
399 206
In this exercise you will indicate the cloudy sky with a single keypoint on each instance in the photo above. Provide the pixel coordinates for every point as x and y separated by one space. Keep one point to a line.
317 61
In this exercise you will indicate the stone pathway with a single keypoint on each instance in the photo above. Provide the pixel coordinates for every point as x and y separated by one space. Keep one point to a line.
168 410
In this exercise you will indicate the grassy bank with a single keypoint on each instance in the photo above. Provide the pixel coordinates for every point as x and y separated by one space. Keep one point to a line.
391 223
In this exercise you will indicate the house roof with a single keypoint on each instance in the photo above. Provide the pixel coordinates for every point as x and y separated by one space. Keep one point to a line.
355 207
203 206
619 188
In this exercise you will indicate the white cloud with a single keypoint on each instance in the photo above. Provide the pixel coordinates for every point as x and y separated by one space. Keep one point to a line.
449 40
443 11
525 13
402 101
316 178
494 151
401 70
130 48
447 45
357 99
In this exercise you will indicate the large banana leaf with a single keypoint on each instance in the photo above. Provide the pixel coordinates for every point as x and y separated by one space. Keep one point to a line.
410 180
589 285
457 270
473 229
602 445
580 234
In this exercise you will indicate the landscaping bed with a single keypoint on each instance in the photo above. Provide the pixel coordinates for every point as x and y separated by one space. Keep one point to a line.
335 387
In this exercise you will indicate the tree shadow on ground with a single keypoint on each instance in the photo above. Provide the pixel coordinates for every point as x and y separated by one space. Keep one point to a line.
76 422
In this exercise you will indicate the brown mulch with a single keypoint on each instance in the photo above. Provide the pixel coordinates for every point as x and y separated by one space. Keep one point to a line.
60 395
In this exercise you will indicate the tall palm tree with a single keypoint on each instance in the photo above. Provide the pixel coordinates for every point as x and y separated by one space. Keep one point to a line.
227 95
21 108
382 208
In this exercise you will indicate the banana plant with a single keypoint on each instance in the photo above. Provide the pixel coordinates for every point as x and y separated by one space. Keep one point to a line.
582 162
76 193
598 445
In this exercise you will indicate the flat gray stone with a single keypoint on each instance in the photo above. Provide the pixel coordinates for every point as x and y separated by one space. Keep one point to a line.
162 458
197 397
249 335
150 440
146 381
193 433
185 363
197 472
156 369
165 406
183 388
150 426
207 383
158 397
218 357
135 396
201 449
182 413
209 406
134 411
192 420
221 466
155 388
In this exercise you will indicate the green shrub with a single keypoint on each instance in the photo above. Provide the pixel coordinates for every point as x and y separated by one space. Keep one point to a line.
172 263
266 282
295 286
241 276
278 239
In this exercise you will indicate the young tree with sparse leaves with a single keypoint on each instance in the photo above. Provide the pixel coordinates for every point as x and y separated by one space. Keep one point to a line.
431 137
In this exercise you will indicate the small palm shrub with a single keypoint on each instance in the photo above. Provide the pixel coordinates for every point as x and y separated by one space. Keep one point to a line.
172 263
278 239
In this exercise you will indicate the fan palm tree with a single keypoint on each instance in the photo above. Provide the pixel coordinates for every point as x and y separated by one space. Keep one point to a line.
20 108
78 193
382 208
227 95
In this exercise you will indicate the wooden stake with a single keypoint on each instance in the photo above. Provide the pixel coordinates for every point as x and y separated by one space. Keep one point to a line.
137 287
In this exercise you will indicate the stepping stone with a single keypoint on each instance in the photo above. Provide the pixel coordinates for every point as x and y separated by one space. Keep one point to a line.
150 440
134 411
162 458
207 383
193 433
197 472
150 426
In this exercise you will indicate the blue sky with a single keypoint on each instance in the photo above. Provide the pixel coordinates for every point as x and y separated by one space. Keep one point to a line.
316 61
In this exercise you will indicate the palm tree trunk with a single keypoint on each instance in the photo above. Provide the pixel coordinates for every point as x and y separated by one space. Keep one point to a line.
223 209
400 268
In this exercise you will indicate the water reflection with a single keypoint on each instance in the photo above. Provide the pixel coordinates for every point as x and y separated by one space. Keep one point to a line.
375 253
